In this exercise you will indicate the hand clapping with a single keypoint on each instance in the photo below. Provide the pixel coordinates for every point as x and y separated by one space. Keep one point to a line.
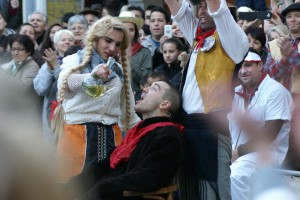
51 58
285 45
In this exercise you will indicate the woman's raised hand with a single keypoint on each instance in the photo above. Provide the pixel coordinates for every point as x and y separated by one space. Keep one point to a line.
102 71
51 58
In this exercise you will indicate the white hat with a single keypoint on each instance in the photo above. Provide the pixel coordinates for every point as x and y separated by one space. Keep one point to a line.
252 57
128 16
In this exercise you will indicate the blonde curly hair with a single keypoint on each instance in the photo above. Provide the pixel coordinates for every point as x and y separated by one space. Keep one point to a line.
99 29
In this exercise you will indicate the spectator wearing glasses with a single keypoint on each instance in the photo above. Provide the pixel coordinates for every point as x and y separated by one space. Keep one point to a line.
26 29
78 25
22 69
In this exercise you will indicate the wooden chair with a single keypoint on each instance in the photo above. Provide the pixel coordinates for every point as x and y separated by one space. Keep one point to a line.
165 193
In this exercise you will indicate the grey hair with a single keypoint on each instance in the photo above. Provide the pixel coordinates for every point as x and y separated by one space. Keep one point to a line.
59 33
78 19
40 13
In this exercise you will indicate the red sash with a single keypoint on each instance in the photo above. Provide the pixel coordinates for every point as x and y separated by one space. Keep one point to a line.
132 138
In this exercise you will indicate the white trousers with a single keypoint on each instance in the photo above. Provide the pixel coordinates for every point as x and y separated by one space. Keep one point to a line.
242 173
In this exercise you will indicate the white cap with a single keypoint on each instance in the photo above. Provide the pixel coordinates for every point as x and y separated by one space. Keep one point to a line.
252 57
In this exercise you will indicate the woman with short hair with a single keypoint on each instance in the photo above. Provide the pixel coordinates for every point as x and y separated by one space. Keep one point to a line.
22 69
79 26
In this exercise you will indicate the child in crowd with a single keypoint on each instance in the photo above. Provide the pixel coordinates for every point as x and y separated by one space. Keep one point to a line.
156 76
171 49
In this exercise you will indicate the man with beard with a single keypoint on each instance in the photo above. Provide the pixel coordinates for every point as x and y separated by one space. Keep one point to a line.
218 44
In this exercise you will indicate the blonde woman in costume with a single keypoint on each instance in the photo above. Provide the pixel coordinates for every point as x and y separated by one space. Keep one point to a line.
91 127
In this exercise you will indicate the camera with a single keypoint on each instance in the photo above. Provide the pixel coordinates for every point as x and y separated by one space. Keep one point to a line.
250 16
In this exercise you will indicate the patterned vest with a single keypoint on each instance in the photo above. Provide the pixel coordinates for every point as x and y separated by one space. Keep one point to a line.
214 70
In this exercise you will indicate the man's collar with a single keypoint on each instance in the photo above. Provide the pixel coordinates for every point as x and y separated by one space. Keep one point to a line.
153 120
296 38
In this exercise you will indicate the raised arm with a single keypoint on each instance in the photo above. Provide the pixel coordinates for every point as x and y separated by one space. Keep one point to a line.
213 5
233 38
174 5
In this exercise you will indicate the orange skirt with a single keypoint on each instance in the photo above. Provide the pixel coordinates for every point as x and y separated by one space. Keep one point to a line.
83 146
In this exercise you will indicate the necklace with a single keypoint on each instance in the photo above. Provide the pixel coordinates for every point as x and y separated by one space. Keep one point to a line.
250 94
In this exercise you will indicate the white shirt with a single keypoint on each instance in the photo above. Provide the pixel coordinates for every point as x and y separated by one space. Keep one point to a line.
270 102
233 40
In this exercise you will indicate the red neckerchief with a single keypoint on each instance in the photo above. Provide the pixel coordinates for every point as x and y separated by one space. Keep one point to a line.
200 36
136 46
245 95
132 138
53 106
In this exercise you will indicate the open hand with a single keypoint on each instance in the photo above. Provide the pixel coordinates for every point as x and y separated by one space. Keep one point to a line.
51 58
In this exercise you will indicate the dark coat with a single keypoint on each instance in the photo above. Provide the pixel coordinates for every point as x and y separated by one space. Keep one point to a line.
152 165
157 59
173 73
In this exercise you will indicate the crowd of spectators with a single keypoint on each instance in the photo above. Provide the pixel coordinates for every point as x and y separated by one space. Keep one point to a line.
237 79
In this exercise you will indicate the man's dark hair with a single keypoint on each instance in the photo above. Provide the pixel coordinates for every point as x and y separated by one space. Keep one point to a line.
66 17
172 94
160 75
163 11
149 7
130 8
146 29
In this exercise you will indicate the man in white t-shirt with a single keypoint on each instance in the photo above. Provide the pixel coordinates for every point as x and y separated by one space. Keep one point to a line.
259 124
